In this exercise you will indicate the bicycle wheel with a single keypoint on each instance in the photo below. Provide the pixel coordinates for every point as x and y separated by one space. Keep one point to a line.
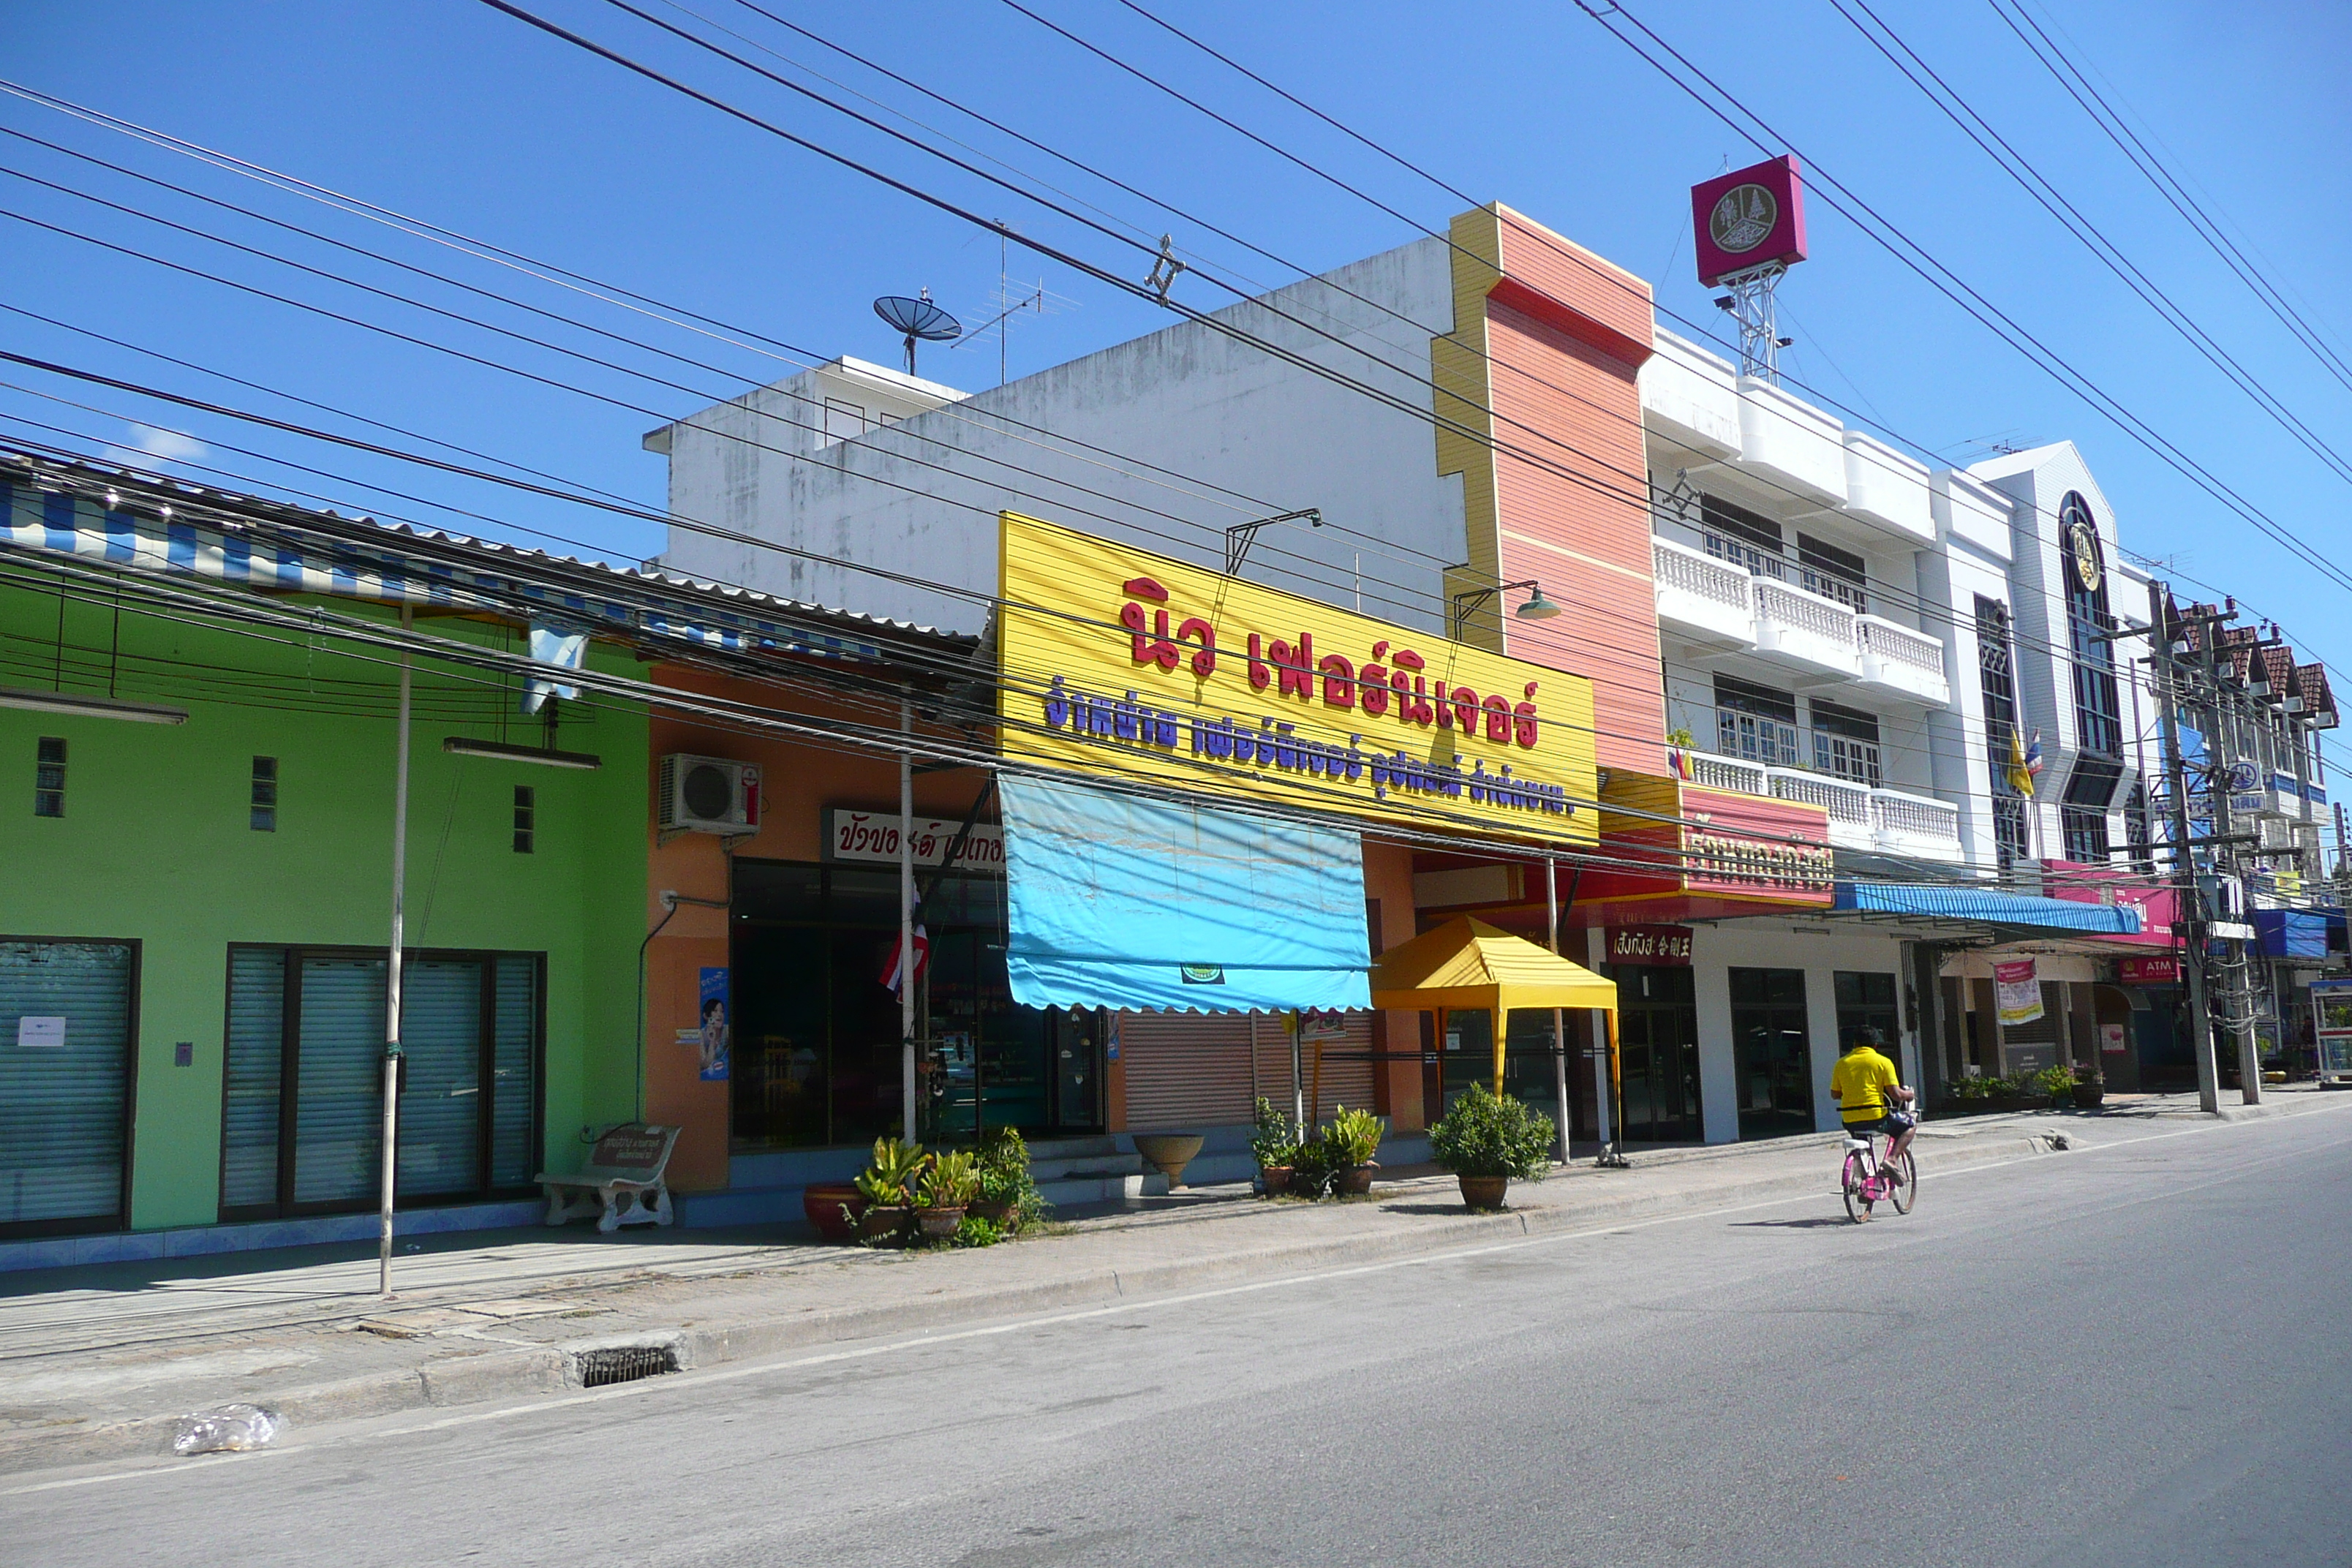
1906 1183
1857 1207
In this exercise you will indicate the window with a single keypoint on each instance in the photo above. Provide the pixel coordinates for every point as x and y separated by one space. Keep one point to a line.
1744 538
1833 574
843 421
2098 707
1845 743
49 777
1867 1000
1997 680
2083 812
526 818
2136 829
1755 722
263 816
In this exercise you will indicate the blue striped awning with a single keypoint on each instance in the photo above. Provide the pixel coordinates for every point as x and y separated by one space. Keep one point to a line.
1986 906
53 523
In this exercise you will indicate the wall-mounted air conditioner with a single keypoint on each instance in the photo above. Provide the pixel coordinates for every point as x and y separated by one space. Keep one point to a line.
709 795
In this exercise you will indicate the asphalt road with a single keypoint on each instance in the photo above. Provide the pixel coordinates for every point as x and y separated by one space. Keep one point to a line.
2136 1355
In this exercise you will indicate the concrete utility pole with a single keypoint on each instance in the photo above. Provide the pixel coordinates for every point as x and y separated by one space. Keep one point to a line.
2221 763
1559 1028
2189 889
906 917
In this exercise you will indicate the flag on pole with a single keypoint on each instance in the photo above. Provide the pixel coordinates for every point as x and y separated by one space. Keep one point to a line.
891 971
2025 763
2033 763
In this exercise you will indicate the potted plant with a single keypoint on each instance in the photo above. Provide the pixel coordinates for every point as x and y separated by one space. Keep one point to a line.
2056 1084
1007 1196
946 1190
1275 1147
887 1186
1486 1140
1171 1151
1968 1096
1349 1144
834 1208
2090 1089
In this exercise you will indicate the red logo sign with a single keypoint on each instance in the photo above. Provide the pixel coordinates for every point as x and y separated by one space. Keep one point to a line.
2163 971
1749 218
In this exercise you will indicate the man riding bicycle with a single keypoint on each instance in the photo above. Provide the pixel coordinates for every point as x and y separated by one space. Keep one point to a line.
1867 1090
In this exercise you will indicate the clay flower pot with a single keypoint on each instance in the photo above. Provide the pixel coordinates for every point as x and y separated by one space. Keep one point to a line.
996 1214
939 1225
881 1224
1483 1192
2088 1096
824 1202
1352 1183
1272 1181
1172 1152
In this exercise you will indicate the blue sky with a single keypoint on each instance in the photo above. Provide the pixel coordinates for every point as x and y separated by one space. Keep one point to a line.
450 111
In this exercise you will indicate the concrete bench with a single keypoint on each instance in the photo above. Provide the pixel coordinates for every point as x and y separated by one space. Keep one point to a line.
622 1184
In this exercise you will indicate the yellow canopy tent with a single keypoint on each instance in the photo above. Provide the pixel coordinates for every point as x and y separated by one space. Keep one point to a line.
1468 965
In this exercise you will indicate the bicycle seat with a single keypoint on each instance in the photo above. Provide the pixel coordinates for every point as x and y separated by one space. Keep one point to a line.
1857 1141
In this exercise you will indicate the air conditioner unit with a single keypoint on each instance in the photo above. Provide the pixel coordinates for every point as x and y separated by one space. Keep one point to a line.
709 795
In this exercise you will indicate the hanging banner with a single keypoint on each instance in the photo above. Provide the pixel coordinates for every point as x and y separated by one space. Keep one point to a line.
2017 993
1125 664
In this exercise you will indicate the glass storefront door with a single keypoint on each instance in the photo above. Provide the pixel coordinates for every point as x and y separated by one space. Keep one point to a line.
1772 1052
1657 1048
1867 1000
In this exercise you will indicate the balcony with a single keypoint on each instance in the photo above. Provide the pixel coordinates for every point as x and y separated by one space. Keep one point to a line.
1860 818
1730 597
1702 600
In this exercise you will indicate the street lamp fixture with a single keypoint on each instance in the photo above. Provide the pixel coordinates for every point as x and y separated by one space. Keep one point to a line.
1537 608
464 746
70 705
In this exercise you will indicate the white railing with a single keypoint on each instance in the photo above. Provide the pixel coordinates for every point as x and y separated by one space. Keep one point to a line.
1901 644
1807 612
1680 566
1712 771
1915 814
1845 802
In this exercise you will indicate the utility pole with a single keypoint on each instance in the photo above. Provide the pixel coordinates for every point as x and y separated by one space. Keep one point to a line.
2189 891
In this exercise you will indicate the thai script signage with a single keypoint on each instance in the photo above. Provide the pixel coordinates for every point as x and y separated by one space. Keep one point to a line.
874 836
1119 662
1663 946
2017 993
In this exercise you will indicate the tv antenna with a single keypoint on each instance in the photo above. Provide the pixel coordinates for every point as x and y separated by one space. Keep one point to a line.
921 320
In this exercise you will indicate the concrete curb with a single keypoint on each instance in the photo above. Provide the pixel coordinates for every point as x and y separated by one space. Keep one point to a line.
466 1380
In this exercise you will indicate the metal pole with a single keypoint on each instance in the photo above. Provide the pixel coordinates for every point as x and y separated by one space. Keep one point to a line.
1559 1029
1298 1079
2189 892
393 968
907 917
2220 751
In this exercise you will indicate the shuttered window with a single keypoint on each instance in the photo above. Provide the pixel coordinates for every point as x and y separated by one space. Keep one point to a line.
469 1106
256 1059
1346 1066
65 1074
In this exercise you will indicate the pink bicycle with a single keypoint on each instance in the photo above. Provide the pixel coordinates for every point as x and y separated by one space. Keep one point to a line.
1866 1181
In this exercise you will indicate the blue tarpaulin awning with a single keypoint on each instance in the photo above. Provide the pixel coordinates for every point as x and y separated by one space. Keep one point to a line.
1938 901
1119 901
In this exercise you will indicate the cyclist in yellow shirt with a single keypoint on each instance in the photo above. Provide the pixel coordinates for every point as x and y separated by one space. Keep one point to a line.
1867 1090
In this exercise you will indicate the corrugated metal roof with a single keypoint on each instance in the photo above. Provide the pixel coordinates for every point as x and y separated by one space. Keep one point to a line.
1986 906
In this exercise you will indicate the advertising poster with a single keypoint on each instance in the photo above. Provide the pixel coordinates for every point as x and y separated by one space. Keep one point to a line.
2017 993
714 1006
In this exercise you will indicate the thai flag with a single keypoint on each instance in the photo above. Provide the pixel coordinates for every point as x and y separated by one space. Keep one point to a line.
2033 762
891 971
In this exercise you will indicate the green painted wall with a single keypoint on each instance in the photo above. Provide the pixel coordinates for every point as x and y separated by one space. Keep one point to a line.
155 845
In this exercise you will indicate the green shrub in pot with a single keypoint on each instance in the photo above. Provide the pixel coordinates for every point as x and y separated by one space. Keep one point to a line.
1488 1135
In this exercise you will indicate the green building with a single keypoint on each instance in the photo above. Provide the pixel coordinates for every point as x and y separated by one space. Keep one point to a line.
199 703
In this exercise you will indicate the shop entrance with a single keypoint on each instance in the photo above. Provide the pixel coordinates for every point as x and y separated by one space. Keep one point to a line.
817 1050
1657 1048
1773 1052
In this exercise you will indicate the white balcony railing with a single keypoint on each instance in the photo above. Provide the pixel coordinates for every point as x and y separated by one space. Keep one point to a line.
1825 618
1847 803
1898 815
1860 818
1712 772
1679 566
1902 644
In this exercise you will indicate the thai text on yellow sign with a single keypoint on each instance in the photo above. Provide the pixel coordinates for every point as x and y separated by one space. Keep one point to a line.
1121 662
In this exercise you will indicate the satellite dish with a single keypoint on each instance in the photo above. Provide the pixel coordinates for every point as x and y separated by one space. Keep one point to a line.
921 320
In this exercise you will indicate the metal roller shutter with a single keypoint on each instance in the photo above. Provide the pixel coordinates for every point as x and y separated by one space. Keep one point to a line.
440 1109
1344 1083
339 1096
249 1107
63 1104
1185 1070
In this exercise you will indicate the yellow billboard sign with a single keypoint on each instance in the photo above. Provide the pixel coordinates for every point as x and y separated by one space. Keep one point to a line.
1119 662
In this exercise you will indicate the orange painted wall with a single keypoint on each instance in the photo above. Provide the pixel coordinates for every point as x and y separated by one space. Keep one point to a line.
800 779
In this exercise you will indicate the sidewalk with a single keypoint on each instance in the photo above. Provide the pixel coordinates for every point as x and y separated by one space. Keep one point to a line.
96 1363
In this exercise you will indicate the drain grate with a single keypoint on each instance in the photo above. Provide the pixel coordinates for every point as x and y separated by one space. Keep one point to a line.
623 1363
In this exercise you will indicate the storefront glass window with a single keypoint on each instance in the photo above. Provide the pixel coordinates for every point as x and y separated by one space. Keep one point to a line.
1867 1000
1658 1049
1773 1052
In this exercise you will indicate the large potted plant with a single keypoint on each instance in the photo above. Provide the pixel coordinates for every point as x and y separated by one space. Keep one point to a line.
1007 1195
1486 1140
2090 1089
1349 1143
888 1186
1968 1096
834 1209
946 1190
1275 1146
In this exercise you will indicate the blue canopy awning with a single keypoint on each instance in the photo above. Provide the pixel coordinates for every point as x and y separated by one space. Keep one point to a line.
1118 901
1988 906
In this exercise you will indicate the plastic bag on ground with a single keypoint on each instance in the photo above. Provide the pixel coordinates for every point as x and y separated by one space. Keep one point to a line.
227 1430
